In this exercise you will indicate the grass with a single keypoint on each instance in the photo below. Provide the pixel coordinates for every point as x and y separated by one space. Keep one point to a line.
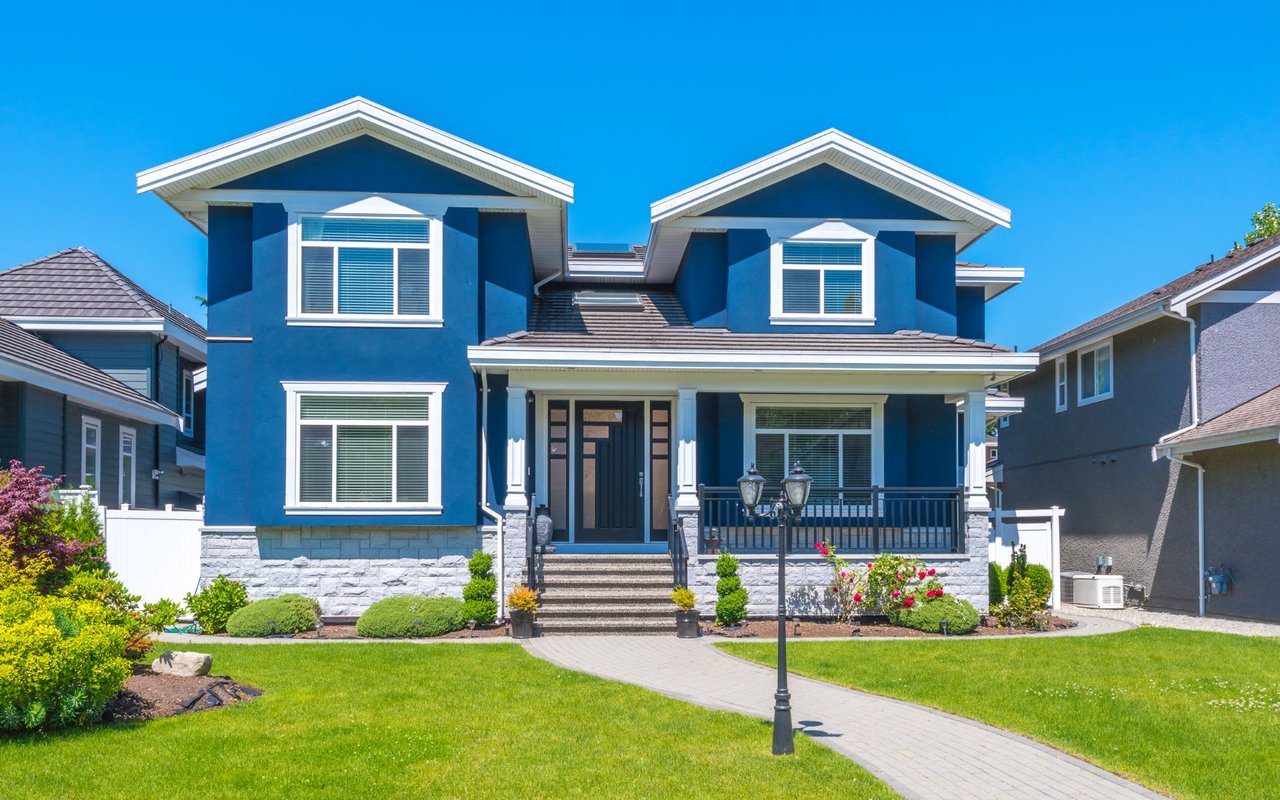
413 721
1195 715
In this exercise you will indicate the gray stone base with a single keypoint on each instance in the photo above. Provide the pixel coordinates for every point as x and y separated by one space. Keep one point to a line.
345 569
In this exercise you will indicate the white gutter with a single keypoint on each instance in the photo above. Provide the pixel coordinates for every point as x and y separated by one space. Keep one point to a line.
484 492
1199 519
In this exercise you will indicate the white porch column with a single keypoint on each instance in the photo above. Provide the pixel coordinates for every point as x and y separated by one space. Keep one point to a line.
687 450
975 436
517 421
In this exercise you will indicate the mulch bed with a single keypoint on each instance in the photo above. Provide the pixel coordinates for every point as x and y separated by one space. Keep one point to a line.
769 629
149 695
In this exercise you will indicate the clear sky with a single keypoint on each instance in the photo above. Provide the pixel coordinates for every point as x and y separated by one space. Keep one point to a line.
1131 140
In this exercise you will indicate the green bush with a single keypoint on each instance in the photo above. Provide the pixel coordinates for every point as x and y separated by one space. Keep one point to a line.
997 584
731 607
410 616
1041 580
726 565
728 585
213 605
288 613
1023 607
927 615
478 593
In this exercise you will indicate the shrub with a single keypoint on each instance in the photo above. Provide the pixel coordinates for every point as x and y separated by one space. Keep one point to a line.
478 593
1023 606
1017 566
927 615
683 598
213 605
41 535
411 617
96 584
886 585
1041 580
522 598
288 613
731 607
997 584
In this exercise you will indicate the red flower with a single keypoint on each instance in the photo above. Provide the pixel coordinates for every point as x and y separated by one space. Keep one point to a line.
933 572
940 591
895 593
857 598
899 576
817 545
870 565
921 575
908 602
843 574
835 590
824 550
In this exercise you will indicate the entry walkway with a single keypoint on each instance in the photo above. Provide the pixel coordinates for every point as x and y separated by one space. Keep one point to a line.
919 752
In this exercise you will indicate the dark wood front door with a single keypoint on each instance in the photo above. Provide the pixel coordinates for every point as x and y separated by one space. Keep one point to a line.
610 474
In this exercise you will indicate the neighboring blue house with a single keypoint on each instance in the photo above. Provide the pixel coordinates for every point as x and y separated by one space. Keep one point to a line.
407 358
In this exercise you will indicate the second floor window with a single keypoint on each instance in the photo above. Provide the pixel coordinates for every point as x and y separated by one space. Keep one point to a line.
367 269
1094 373
1060 384
823 282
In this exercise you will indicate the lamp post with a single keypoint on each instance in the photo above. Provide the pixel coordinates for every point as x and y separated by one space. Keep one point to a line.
788 506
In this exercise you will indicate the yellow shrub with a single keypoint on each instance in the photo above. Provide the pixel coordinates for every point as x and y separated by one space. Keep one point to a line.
522 598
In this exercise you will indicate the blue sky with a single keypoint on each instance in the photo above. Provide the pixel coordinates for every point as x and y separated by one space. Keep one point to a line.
1131 140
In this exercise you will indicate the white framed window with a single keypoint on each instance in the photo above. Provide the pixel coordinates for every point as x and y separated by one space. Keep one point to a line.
90 451
1060 384
363 447
822 281
188 403
1094 373
128 465
365 270
837 439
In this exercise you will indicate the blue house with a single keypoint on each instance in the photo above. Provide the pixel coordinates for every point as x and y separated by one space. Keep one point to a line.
408 360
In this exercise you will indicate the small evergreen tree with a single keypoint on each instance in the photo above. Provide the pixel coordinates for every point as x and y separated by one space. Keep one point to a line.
478 594
731 608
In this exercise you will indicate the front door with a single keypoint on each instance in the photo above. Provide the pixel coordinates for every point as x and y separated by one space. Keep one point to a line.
610 472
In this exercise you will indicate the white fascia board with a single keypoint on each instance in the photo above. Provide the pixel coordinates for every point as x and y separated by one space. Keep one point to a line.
997 407
1135 318
365 117
189 459
994 280
355 202
185 339
833 146
86 395
1268 433
1180 301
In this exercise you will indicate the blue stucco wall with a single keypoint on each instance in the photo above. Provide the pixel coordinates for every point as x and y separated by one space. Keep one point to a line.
364 164
506 274
824 192
971 312
936 284
702 280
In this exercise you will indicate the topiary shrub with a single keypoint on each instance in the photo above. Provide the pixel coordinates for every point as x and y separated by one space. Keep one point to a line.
1041 580
213 605
731 607
997 584
411 617
927 615
477 595
286 614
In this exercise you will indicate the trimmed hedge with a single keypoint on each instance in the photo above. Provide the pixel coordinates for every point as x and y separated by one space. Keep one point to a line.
411 617
1041 580
928 615
731 608
286 614
477 595
997 584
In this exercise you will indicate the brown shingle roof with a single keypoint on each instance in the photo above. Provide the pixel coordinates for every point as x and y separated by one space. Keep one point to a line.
1262 411
76 282
1195 277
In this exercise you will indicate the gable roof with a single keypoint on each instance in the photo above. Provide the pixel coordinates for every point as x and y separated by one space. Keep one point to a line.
28 358
1255 420
1180 290
77 283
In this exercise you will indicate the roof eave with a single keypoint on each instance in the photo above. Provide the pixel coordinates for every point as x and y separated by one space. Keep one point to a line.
141 409
1263 433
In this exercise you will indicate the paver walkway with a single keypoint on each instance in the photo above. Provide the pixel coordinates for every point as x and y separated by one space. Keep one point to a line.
919 752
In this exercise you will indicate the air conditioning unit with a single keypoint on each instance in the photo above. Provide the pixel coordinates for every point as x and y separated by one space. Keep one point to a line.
1097 591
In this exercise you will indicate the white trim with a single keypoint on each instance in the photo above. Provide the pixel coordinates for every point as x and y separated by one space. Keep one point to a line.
435 425
188 404
139 409
831 232
1061 386
994 280
185 339
751 402
356 202
1180 302
188 459
87 423
638 382
132 435
1267 433
1241 297
1081 400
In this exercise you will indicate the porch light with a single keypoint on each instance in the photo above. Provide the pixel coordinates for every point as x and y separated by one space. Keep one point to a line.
796 487
751 488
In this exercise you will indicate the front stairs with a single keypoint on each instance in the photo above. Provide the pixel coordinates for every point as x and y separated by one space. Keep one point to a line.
606 594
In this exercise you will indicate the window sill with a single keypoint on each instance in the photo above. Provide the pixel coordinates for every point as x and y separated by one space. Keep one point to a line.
820 319
353 321
1088 401
358 509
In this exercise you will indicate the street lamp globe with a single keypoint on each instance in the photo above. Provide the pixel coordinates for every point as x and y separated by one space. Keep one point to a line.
796 487
751 488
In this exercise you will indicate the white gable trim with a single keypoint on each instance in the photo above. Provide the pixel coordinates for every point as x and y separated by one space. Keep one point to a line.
1179 303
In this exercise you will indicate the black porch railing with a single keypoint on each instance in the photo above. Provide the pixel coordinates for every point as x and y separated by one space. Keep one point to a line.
677 550
872 519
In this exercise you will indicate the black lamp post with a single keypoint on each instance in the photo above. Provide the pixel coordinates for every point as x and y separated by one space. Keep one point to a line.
788 506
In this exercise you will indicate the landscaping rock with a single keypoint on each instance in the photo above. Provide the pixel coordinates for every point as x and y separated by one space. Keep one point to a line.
182 663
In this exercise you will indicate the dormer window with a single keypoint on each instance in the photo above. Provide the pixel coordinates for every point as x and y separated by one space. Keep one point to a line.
823 282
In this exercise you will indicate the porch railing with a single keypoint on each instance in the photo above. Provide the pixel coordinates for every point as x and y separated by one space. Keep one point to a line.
534 555
677 550
872 519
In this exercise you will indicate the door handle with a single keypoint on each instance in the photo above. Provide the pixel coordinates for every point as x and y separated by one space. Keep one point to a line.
640 480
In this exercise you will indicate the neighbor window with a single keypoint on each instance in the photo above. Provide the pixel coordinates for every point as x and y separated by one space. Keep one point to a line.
834 444
1094 373
90 451
823 281
188 403
128 464
367 268
1060 384
364 450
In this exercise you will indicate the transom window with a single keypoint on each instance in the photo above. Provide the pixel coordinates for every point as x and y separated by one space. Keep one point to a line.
833 443
367 268
366 450
1094 373
823 281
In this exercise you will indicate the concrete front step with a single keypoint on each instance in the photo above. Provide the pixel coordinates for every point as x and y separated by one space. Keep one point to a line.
607 558
605 596
618 582
618 626
655 611
578 568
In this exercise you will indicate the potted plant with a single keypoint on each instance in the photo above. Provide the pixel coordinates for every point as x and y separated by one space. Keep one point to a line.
522 604
686 616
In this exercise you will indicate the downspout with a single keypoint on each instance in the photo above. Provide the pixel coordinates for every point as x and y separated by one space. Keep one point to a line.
537 287
1195 378
1199 468
484 491
155 395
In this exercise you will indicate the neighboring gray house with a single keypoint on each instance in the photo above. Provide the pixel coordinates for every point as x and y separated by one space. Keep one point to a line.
1157 427
101 382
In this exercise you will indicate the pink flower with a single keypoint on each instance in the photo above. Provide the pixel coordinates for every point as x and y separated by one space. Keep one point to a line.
835 590
933 572
921 574
895 593
899 576
910 601
824 550
817 545
857 597
870 565
843 574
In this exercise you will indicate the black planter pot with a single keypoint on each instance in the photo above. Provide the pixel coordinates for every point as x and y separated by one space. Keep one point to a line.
522 626
687 625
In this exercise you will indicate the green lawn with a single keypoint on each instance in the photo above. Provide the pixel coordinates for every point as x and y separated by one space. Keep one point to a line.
426 721
1190 714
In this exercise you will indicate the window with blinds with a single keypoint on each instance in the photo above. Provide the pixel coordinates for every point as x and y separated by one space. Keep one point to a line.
363 449
833 444
823 278
366 266
1094 372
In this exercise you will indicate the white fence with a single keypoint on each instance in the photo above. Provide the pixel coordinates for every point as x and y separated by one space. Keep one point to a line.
1039 530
